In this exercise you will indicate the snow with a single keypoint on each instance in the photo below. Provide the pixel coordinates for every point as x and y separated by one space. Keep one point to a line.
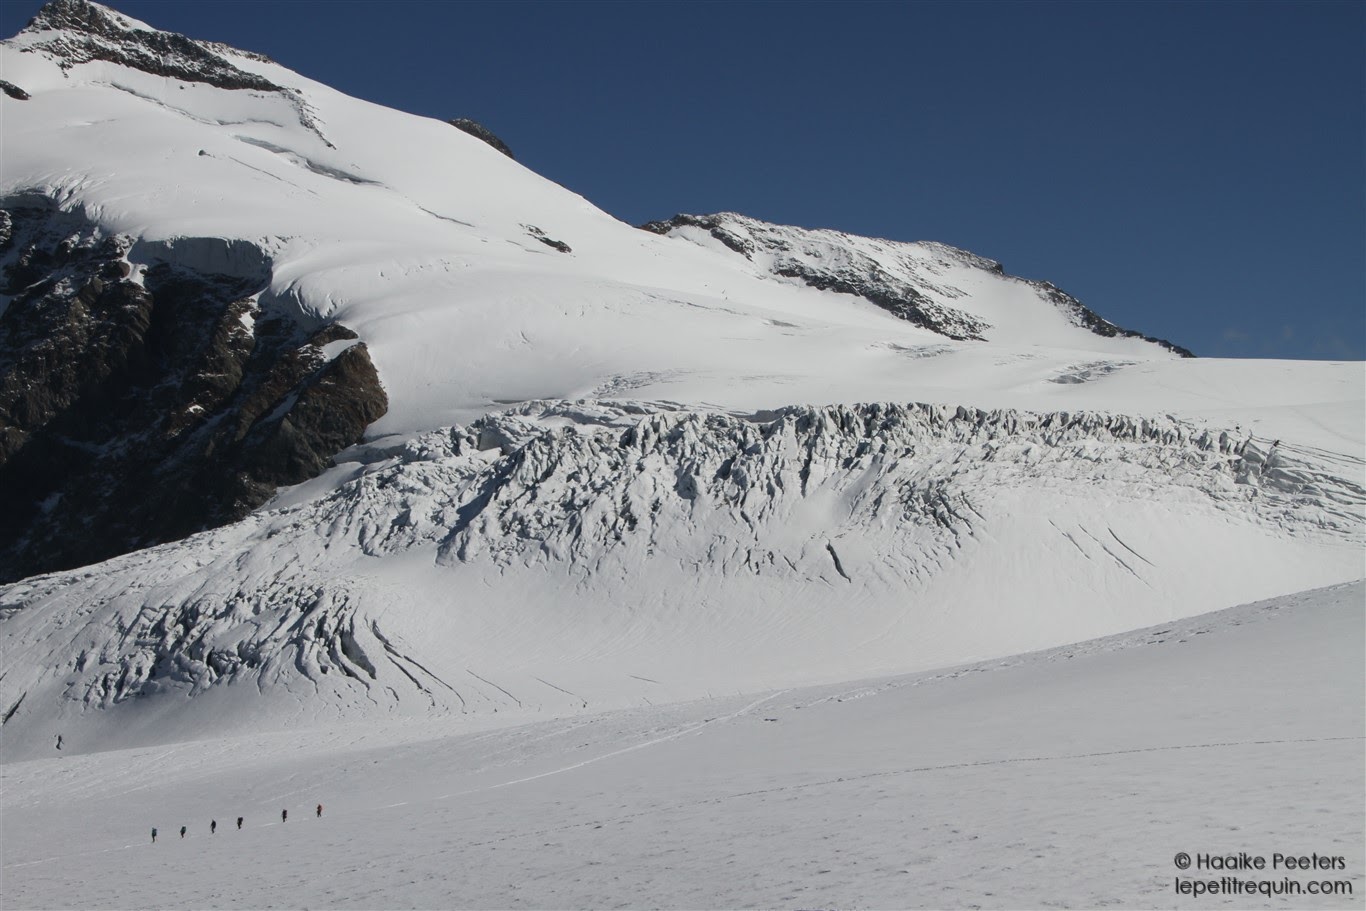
412 233
623 509
551 559
1064 778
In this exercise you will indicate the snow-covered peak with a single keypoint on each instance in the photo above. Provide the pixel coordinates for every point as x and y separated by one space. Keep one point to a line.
911 280
72 32
747 236
82 16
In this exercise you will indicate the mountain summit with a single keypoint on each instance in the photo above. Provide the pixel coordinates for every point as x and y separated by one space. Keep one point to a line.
363 416
73 32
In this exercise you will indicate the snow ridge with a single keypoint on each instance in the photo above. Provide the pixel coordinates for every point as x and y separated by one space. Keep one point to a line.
72 32
909 280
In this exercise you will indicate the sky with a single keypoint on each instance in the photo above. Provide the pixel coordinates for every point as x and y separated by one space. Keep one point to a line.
1196 171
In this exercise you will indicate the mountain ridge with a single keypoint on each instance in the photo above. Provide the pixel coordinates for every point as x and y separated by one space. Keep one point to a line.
89 31
864 277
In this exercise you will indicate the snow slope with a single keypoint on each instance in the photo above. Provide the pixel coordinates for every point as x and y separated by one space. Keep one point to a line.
627 557
425 241
619 466
1067 778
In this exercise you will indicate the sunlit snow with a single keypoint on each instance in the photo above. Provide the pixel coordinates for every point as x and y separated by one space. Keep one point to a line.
576 625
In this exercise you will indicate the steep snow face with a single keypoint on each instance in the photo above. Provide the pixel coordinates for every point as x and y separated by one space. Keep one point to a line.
626 553
474 282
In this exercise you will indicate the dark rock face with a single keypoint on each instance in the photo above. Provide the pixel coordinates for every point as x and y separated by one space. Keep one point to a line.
712 224
1082 315
137 413
550 242
88 31
892 295
12 90
479 131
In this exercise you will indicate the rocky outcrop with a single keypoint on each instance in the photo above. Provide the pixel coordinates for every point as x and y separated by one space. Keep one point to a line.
13 91
550 242
1083 316
137 408
84 31
715 225
896 297
849 273
479 131
72 32
898 277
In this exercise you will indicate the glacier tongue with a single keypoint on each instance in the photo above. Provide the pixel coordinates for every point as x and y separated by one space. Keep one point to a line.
565 556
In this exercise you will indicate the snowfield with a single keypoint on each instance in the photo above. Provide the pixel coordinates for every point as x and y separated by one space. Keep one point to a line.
1064 778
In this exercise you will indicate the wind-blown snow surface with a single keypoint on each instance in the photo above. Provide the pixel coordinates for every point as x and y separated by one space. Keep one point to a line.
737 524
1068 778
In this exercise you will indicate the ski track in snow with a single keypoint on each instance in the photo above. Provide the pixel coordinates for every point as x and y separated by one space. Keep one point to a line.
739 796
692 729
914 770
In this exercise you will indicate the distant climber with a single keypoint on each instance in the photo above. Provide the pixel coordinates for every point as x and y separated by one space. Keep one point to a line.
182 831
59 741
239 822
213 827
154 835
284 815
320 811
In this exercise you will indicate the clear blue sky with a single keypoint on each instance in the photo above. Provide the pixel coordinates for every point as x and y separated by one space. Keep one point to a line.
1196 171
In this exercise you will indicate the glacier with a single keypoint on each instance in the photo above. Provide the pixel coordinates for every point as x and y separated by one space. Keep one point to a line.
611 465
711 562
629 552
